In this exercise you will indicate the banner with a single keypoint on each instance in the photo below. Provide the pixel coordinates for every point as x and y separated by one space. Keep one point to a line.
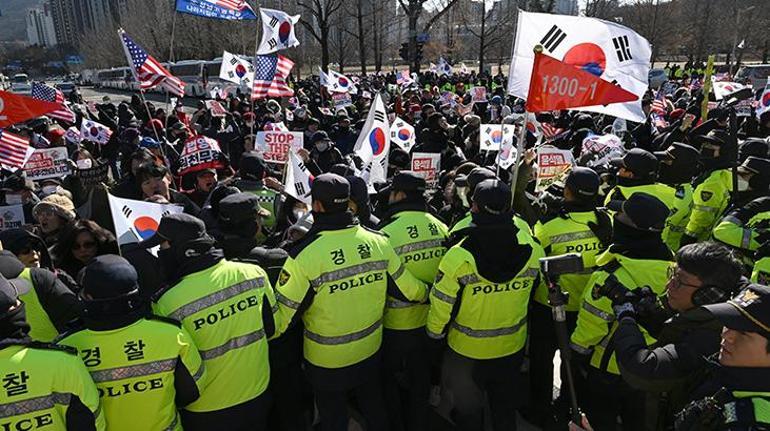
427 165
723 88
274 146
597 150
298 180
137 221
47 163
479 94
402 134
216 108
200 153
11 217
553 166
492 136
211 9
341 100
93 176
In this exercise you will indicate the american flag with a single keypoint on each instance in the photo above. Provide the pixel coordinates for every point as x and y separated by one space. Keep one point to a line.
47 93
13 150
236 5
659 104
550 131
147 71
270 73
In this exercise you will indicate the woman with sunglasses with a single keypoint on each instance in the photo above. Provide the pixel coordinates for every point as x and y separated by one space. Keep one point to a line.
83 241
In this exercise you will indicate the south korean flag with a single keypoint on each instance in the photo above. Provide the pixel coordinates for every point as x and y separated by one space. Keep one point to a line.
236 69
277 31
608 50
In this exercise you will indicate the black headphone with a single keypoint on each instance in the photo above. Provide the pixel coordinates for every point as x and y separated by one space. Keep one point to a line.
709 294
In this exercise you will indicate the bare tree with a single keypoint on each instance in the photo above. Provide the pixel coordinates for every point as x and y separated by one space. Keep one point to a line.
413 10
490 28
321 13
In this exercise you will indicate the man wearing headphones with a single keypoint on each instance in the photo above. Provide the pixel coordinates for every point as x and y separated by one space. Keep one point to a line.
705 273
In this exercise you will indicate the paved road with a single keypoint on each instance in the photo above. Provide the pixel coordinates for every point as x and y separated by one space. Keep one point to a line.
92 94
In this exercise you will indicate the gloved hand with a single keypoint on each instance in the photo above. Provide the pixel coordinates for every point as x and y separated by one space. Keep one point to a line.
624 309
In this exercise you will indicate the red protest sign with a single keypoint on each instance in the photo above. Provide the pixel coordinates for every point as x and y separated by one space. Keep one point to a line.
16 109
558 85
200 153
275 145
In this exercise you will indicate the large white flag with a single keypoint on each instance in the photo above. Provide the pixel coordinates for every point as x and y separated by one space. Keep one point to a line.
298 179
137 221
95 132
402 134
608 50
277 31
341 84
373 145
723 88
236 69
443 67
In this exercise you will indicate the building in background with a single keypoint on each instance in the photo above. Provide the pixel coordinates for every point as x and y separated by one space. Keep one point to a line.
73 18
566 7
40 27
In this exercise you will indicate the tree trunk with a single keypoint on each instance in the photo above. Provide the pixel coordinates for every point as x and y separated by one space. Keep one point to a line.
482 39
415 7
324 42
376 39
361 35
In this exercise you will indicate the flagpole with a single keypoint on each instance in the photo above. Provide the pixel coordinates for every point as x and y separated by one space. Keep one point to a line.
520 144
251 90
170 59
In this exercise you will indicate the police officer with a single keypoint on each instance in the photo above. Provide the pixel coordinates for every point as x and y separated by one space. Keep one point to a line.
638 172
637 257
418 239
50 305
577 227
336 280
736 396
139 364
678 167
705 273
227 308
479 304
44 386
251 174
711 195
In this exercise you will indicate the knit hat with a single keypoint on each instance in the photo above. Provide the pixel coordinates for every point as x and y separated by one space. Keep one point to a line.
61 206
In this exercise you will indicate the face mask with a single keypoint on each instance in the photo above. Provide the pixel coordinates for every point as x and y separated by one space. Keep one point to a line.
49 190
462 193
743 184
322 146
84 164
13 199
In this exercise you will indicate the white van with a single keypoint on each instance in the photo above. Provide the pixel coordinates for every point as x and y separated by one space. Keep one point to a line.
20 84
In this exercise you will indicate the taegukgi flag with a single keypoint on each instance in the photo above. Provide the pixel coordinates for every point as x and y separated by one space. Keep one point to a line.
96 132
605 49
236 69
298 180
136 221
373 145
277 31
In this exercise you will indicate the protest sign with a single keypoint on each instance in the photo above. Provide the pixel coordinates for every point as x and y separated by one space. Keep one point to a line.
11 217
200 153
93 176
743 108
553 165
427 165
47 163
216 108
341 100
492 136
274 146
597 150
479 94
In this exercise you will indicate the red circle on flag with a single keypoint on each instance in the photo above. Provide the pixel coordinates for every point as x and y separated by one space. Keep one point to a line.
497 136
377 141
403 134
587 56
766 99
145 226
240 70
284 31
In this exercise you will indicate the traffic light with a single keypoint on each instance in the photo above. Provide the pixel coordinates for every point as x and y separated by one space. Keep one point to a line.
404 51
418 53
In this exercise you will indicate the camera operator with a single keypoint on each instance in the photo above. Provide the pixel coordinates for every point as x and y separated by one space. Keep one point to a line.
637 257
705 273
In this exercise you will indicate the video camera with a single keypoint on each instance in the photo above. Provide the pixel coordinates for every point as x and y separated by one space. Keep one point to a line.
644 300
555 266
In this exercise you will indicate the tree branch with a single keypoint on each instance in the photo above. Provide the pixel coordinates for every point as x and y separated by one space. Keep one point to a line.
438 15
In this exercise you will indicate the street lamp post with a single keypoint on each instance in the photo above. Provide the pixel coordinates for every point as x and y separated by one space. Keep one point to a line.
735 36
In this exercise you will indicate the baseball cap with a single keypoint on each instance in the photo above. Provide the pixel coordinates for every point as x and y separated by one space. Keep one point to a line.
252 166
406 181
10 291
177 229
641 211
332 190
108 277
755 165
641 162
748 311
492 197
240 207
679 151
583 181
474 177
319 136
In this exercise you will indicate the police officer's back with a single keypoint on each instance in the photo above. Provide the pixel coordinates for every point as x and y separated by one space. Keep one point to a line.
418 239
50 305
686 334
251 173
44 386
227 308
490 273
678 167
736 395
139 364
336 280
637 257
